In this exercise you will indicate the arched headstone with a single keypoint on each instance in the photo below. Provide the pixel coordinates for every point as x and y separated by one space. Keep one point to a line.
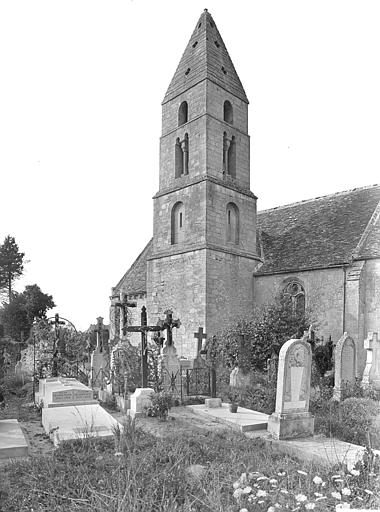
292 417
345 364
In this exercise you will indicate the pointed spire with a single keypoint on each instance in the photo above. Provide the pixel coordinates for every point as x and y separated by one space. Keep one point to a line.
205 56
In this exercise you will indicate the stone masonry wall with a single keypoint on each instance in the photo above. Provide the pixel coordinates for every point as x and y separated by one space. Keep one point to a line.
372 295
324 292
177 282
194 201
229 289
218 198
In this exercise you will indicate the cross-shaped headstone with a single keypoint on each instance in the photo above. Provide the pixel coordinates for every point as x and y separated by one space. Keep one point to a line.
200 336
168 324
57 328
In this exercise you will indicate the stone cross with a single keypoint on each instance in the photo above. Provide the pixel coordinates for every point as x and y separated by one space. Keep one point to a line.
99 334
57 329
200 336
371 374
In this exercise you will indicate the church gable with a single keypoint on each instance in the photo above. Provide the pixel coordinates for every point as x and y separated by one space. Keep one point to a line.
319 233
134 280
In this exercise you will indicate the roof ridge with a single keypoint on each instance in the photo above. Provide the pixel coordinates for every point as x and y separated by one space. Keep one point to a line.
304 201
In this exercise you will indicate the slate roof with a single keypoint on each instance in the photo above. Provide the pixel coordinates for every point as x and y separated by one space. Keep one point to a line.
315 233
321 232
134 280
205 56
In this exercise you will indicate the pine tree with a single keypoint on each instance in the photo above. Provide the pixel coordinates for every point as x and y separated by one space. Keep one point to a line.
11 264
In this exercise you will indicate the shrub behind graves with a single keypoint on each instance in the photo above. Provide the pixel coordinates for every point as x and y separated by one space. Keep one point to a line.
162 402
357 416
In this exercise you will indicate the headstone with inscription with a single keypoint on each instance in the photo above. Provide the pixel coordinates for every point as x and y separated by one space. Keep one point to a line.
371 374
292 417
61 392
345 364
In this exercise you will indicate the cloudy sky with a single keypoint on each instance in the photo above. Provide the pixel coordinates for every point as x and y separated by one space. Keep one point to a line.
80 110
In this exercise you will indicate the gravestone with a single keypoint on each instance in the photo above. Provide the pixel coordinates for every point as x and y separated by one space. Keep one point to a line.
140 400
61 392
371 374
99 357
19 372
238 378
292 417
170 369
345 364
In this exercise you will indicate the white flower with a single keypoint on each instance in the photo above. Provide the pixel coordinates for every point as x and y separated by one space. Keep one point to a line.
321 498
118 454
335 476
346 491
271 509
301 472
262 478
310 506
355 472
261 494
236 484
238 494
282 473
261 501
342 506
251 498
277 505
336 495
323 484
318 494
247 489
338 480
317 480
368 491
300 498
273 481
284 491
243 510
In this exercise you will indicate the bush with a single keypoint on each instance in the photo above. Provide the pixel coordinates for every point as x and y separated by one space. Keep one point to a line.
162 402
357 417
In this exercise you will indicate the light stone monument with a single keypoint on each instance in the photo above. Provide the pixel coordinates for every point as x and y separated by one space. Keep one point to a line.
292 417
345 364
371 374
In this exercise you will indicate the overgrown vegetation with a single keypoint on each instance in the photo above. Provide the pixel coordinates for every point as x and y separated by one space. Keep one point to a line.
138 472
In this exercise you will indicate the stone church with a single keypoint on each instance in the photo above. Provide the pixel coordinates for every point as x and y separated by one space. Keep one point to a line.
213 256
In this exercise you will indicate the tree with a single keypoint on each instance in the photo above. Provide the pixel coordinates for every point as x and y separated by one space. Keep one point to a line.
18 315
11 264
264 334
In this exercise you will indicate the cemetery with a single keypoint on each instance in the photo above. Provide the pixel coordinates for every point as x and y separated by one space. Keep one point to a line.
231 376
270 412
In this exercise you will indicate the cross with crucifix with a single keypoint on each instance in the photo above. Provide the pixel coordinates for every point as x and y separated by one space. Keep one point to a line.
200 336
57 329
124 304
143 329
168 324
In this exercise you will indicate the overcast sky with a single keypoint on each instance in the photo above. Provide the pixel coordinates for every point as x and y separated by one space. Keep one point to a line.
81 87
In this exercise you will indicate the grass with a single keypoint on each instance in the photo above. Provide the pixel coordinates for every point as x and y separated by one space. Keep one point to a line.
139 472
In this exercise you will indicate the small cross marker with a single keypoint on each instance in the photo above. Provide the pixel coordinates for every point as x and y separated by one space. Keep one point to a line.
200 336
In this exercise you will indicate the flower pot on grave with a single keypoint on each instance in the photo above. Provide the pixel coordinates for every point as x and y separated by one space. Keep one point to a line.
233 407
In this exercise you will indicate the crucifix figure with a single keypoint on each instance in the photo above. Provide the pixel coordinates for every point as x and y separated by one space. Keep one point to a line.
57 329
124 304
168 324
143 329
200 336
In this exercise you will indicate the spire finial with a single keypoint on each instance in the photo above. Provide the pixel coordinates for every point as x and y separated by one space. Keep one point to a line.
205 10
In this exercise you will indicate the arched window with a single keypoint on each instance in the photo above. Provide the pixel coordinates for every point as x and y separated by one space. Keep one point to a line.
182 113
178 223
228 115
295 292
181 156
232 220
229 155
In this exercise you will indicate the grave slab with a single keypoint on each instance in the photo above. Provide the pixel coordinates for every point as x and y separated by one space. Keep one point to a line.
77 422
63 391
244 420
12 440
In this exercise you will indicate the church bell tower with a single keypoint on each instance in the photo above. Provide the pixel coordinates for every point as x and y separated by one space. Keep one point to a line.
204 228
